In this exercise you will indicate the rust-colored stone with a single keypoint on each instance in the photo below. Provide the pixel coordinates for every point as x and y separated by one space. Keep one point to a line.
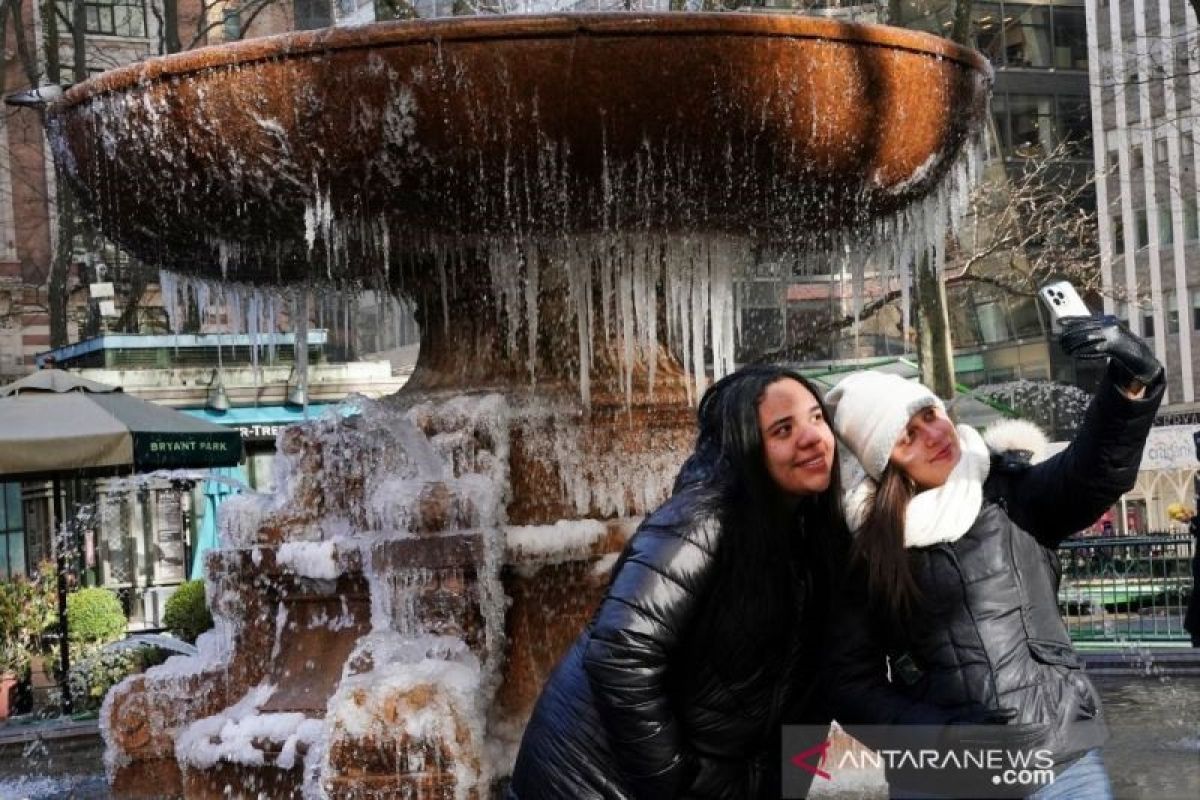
313 649
436 508
843 114
226 781
148 779
549 608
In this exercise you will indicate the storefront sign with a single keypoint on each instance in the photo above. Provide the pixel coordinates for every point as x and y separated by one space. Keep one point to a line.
259 431
1171 447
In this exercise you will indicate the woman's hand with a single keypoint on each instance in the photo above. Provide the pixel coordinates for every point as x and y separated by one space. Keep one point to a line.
1106 337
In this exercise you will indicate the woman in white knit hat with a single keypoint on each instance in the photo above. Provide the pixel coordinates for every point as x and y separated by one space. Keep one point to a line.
950 615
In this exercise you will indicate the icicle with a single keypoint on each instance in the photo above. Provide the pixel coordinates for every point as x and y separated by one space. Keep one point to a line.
858 268
531 310
253 321
625 324
697 316
300 343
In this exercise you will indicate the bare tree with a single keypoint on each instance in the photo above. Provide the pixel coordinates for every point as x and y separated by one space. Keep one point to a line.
64 38
1022 229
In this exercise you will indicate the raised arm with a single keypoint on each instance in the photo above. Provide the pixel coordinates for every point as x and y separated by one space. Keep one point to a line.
651 603
1069 491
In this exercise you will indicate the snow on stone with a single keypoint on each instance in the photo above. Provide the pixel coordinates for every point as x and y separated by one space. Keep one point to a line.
234 735
565 540
604 565
456 700
316 560
214 649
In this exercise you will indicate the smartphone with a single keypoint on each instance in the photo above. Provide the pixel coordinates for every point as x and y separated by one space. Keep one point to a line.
1063 301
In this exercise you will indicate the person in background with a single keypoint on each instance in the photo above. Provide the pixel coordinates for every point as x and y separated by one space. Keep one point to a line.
951 614
1191 620
710 635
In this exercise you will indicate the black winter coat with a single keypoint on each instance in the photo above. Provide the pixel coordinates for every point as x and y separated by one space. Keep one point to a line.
655 699
1191 620
988 633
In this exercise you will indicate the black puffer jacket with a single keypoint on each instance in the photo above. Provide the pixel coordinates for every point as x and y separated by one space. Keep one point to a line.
988 633
656 699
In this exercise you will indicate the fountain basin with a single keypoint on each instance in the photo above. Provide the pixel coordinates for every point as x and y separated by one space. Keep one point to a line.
415 133
565 199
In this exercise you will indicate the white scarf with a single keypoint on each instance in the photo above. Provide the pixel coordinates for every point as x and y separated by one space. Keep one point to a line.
944 514
936 515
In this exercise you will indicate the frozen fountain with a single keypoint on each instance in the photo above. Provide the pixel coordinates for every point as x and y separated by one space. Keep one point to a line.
567 201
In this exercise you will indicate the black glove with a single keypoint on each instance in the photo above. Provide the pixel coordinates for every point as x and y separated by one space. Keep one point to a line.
1107 337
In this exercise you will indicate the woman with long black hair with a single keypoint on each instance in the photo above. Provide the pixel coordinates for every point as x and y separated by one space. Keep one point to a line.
950 614
710 635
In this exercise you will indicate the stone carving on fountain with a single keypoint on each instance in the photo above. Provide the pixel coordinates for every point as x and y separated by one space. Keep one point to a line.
566 200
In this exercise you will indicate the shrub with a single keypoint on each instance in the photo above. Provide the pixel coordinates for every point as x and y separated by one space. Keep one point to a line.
93 677
94 616
187 614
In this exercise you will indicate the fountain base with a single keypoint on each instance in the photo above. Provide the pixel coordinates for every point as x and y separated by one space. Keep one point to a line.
387 619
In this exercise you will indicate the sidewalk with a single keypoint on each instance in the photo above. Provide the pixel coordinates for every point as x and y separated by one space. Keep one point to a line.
1155 660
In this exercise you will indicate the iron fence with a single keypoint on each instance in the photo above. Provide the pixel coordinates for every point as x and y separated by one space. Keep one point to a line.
1126 589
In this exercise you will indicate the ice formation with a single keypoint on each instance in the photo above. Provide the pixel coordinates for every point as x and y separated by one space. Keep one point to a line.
630 287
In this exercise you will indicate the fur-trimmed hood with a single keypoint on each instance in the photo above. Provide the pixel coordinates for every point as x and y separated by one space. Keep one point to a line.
1016 437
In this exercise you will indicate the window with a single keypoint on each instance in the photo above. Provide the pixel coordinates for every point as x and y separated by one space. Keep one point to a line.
1143 229
1148 322
12 532
1135 156
1172 310
1032 119
1074 124
1025 317
1166 233
1186 145
988 31
1133 102
1191 224
1027 37
1118 236
993 320
311 14
1196 309
231 24
107 17
1070 38
1161 150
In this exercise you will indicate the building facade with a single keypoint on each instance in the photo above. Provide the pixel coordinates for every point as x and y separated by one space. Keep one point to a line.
1145 97
1145 100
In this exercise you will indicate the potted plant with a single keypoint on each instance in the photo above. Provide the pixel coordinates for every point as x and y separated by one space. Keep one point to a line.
26 609
14 657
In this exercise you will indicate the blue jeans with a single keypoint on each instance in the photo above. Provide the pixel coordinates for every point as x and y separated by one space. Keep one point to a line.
1086 779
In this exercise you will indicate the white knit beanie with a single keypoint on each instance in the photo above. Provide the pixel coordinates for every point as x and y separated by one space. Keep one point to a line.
871 410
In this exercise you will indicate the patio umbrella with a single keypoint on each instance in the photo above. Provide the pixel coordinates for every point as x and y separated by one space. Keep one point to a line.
55 424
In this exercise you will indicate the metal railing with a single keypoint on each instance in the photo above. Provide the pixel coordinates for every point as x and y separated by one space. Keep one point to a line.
1126 589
